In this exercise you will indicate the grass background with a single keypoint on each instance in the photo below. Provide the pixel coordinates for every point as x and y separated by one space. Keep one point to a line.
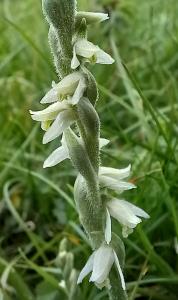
138 108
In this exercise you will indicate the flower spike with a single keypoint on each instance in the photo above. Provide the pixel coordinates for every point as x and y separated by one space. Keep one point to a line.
71 112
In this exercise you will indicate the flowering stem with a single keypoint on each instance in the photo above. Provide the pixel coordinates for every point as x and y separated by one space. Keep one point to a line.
72 102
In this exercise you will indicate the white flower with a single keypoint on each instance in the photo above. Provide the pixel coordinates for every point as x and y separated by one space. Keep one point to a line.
72 85
100 263
71 88
112 178
59 112
126 214
62 153
90 52
92 17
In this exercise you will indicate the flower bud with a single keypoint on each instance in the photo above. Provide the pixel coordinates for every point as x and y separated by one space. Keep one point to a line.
63 245
60 260
69 265
73 283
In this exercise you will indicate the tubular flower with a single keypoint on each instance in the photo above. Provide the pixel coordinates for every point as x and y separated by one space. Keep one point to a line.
126 214
90 52
112 178
100 264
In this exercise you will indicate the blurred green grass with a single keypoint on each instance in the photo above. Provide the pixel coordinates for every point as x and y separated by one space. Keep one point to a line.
138 108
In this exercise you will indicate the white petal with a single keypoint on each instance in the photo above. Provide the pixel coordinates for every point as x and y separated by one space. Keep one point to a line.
49 113
103 261
135 209
87 269
79 92
62 122
92 17
56 157
108 227
115 173
103 58
122 213
50 96
75 63
103 142
85 48
69 83
119 270
117 185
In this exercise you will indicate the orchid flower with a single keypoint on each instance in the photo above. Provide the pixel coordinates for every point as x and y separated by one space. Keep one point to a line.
112 178
71 88
100 264
126 214
72 85
60 113
90 52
